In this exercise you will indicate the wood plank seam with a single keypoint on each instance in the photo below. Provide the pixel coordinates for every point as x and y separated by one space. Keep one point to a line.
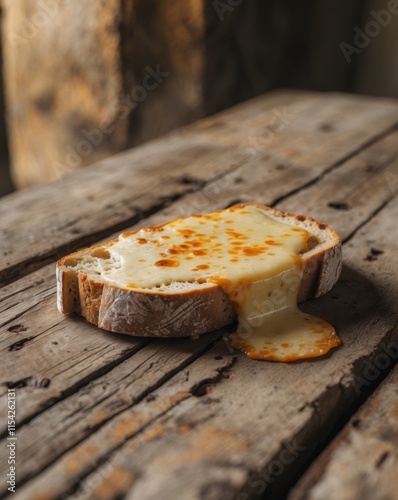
195 391
103 460
316 422
106 369
385 133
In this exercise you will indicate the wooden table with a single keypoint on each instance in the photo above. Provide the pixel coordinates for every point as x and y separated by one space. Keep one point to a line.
102 415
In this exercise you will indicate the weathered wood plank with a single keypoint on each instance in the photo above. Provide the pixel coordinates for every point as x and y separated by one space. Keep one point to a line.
70 421
362 461
229 435
20 296
26 334
45 355
128 419
306 130
358 187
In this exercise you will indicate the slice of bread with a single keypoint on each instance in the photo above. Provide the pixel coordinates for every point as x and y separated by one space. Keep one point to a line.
178 308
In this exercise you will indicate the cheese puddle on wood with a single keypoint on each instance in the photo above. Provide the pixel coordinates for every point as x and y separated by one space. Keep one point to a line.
272 327
255 259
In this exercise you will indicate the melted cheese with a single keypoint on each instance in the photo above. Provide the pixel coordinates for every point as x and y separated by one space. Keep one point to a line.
255 259
272 327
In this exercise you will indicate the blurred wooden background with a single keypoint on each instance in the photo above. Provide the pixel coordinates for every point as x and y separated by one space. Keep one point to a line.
84 80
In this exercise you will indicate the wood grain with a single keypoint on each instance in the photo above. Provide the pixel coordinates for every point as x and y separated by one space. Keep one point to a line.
72 420
305 133
360 186
362 461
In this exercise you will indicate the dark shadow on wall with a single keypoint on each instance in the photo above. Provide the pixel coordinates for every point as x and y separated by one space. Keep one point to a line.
167 36
260 45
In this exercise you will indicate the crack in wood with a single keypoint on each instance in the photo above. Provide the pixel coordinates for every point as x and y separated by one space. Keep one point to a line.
29 381
207 386
375 212
382 458
17 316
373 254
80 384
339 205
9 296
189 179
16 346
21 328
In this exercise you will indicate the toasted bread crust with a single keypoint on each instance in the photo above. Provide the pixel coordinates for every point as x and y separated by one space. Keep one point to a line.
192 312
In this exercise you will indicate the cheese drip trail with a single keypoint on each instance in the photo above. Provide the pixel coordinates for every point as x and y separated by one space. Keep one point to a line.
255 259
271 326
